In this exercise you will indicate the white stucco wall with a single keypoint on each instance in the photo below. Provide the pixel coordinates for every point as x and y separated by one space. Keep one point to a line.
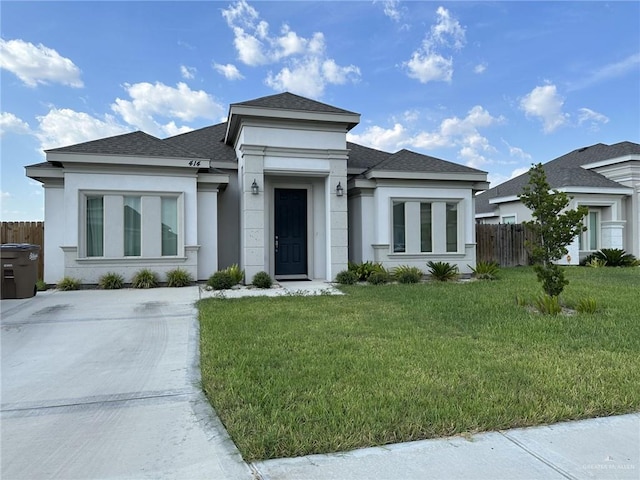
54 219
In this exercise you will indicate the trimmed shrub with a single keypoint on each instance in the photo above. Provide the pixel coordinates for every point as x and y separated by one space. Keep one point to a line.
237 274
178 278
596 263
220 280
145 278
262 280
346 277
443 271
378 278
407 274
68 283
111 281
364 270
485 270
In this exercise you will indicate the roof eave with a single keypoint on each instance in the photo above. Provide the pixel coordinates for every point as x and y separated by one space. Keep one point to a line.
454 176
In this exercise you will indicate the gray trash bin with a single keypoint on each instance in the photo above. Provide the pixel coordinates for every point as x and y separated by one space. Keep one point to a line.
19 269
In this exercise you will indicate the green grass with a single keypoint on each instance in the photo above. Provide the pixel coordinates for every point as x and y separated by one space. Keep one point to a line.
292 376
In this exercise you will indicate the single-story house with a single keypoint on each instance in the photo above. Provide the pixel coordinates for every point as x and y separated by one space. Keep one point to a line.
276 187
604 178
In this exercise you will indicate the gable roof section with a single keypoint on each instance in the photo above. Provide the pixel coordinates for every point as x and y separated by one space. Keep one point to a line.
564 171
290 101
129 144
207 142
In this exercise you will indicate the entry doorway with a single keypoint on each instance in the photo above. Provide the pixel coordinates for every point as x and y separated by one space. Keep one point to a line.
290 236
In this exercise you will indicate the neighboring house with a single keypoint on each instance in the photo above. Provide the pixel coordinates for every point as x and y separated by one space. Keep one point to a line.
604 178
277 188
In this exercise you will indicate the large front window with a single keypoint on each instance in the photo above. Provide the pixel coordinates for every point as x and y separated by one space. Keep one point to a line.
119 225
425 226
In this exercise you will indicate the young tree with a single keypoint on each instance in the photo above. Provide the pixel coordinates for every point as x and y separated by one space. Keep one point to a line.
553 226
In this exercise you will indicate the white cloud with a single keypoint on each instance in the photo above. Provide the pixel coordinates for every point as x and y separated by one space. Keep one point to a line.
429 67
517 152
462 133
37 64
480 68
229 71
151 100
545 103
4 195
61 127
496 179
392 9
9 123
306 70
609 72
427 63
188 73
594 119
387 139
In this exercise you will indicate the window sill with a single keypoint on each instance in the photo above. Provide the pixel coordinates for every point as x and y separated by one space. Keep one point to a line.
129 260
426 255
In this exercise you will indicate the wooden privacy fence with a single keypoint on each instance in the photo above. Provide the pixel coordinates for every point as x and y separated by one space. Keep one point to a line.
25 232
503 243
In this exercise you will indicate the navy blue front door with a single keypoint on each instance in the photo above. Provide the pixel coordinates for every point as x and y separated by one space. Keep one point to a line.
290 231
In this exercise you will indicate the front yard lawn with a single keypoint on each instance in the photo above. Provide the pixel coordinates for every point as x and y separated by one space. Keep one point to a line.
291 376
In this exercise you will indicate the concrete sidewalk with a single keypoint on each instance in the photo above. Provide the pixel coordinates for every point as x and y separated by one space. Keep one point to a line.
602 448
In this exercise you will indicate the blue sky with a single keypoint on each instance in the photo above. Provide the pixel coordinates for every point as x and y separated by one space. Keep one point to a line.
493 85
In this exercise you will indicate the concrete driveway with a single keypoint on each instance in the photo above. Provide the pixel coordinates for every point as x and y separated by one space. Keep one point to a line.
105 384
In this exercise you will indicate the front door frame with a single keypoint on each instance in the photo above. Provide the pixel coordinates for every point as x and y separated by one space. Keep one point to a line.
272 229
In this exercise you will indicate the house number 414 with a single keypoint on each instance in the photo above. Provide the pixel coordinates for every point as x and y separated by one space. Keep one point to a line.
194 163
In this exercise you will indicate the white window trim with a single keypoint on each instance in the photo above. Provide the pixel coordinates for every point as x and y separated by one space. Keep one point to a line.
514 215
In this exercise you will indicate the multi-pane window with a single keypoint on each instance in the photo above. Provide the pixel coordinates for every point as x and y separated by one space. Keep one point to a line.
508 219
132 227
452 227
426 235
424 226
95 226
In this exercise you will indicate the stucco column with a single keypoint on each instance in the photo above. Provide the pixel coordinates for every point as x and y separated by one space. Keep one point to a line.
207 230
337 218
612 234
252 213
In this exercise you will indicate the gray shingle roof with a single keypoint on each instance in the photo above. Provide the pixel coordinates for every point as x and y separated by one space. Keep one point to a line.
207 142
408 161
564 171
289 101
130 144
363 158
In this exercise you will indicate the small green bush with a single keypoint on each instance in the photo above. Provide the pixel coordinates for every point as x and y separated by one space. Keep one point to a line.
346 277
443 271
145 278
548 305
364 270
596 263
615 257
407 274
68 283
485 270
221 280
379 277
111 281
262 280
237 274
41 286
587 305
178 278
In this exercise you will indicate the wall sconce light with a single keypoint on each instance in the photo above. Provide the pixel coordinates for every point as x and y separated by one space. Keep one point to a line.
339 190
254 187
